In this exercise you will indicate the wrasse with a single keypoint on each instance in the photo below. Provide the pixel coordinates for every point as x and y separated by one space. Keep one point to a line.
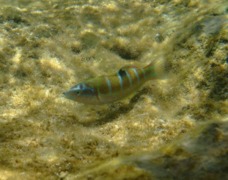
111 88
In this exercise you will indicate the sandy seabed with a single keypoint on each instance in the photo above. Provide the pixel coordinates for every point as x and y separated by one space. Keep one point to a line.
174 128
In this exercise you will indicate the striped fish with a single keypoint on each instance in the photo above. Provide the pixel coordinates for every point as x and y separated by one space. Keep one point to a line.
111 88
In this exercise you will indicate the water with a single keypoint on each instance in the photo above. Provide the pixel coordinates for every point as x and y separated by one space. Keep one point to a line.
48 46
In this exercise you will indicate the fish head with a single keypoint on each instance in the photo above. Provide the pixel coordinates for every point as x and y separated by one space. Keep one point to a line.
82 93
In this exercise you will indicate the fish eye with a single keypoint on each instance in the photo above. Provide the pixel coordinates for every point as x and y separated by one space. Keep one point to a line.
80 86
82 90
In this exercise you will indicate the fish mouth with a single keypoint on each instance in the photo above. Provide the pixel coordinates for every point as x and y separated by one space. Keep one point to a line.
64 93
67 95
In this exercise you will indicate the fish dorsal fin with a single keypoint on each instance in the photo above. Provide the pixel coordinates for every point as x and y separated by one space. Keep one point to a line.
125 68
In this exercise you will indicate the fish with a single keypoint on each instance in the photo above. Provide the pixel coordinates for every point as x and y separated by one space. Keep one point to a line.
111 88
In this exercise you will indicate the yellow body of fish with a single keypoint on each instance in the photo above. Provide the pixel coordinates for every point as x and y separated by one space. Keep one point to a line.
111 88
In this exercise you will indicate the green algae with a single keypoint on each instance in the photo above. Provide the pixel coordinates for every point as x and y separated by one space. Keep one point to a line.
47 46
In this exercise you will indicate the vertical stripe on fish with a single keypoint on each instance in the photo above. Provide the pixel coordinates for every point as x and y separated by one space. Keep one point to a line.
107 89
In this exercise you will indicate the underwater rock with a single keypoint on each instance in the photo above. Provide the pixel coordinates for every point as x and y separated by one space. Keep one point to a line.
201 154
124 48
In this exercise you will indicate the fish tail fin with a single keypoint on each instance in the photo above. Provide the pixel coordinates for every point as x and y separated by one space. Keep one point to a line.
157 69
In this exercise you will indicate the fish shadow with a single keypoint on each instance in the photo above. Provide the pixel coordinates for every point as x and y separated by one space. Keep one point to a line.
115 110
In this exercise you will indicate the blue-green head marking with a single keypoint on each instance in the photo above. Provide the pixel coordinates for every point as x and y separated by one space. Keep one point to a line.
82 92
